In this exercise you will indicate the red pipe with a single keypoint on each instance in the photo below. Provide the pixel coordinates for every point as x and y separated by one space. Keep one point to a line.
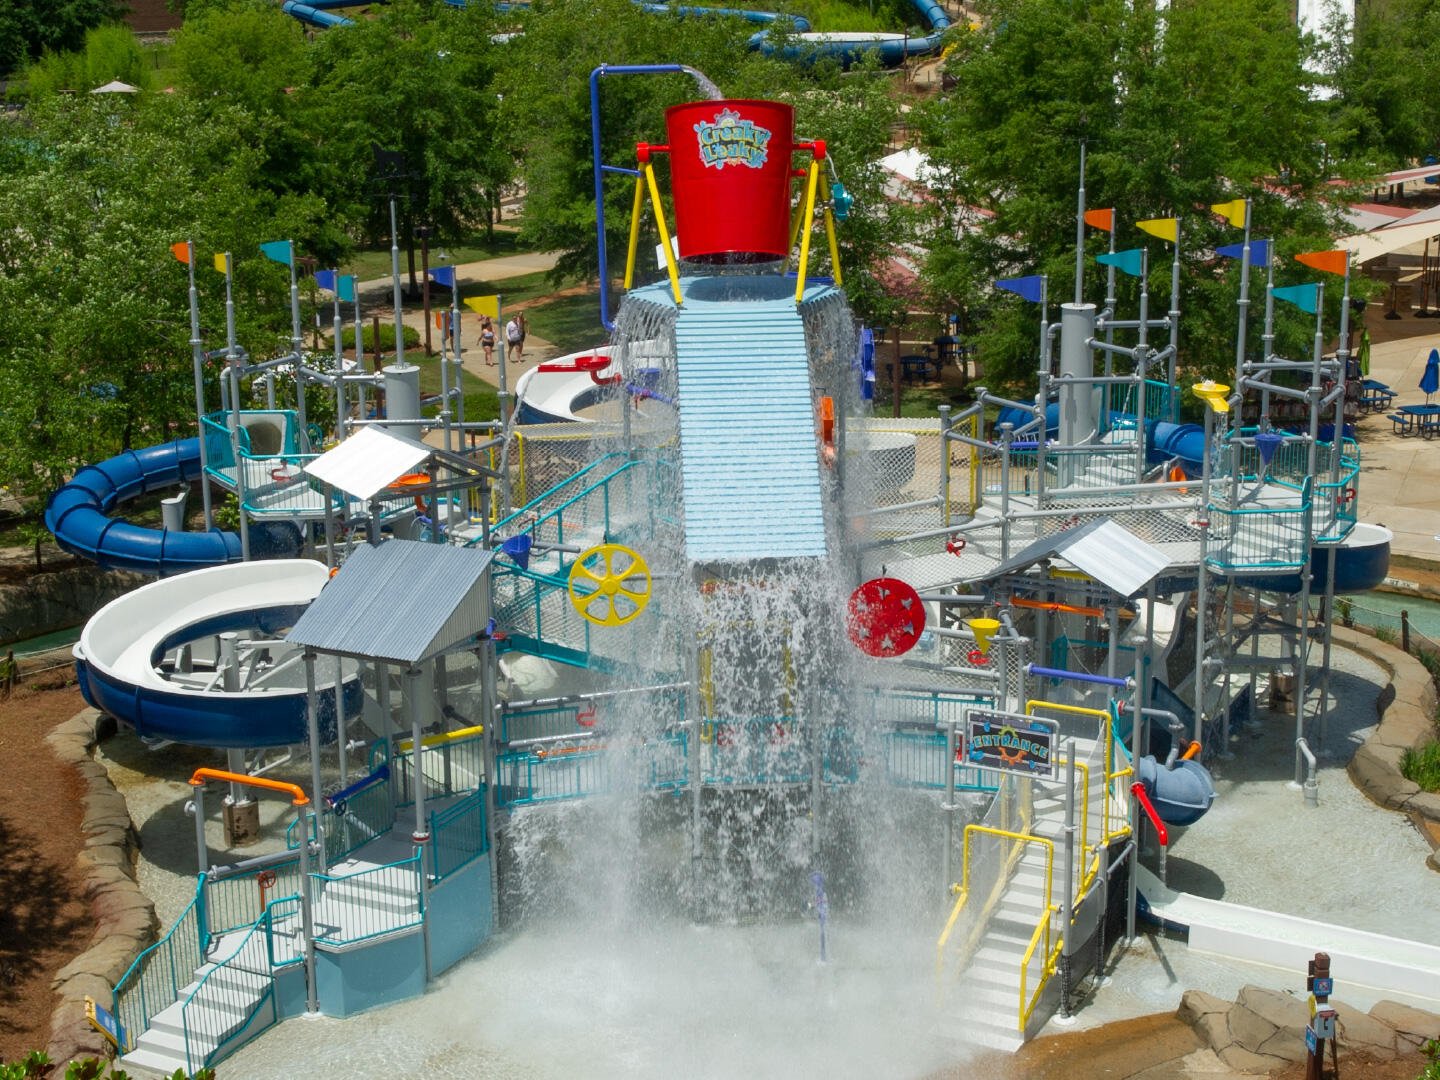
1138 790
1048 605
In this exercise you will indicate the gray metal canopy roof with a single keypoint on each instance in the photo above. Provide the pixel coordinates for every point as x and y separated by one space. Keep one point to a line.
399 601
1101 549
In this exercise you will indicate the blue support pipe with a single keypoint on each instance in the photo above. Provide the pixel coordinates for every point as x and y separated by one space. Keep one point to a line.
708 88
1075 676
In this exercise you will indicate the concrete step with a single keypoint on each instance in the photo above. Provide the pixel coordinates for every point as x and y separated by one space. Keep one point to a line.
159 1061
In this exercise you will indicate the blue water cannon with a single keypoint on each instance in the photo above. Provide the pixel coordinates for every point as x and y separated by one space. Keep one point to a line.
840 201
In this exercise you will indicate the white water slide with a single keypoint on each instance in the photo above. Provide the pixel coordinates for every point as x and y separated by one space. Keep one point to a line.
149 657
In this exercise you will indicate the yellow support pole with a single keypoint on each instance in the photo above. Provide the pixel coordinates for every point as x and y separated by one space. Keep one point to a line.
834 247
805 232
795 230
634 231
670 267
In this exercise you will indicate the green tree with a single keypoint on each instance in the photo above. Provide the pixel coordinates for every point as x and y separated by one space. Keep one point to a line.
93 324
30 27
1386 75
416 79
109 52
1198 104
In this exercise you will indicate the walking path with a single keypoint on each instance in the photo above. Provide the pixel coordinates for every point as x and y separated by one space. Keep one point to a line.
377 296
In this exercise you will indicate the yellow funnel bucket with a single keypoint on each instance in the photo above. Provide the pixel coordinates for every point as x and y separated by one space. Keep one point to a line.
984 630
1214 394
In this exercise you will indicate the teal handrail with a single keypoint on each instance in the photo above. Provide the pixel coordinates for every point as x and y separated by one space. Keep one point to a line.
141 979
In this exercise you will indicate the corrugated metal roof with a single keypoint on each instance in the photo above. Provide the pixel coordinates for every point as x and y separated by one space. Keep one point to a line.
749 460
368 462
1103 550
399 601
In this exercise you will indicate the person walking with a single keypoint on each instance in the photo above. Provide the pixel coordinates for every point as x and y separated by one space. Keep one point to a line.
515 338
487 340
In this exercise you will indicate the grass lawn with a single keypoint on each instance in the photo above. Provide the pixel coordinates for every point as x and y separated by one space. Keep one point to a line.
374 263
570 323
481 400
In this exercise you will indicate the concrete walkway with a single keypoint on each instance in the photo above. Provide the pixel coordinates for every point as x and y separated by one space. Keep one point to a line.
376 296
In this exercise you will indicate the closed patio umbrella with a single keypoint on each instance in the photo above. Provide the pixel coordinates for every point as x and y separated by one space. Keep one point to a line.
1430 381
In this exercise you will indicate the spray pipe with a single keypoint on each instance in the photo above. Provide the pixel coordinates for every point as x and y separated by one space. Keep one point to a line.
822 909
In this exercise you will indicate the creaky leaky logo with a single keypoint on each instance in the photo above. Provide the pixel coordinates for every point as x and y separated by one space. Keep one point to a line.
731 140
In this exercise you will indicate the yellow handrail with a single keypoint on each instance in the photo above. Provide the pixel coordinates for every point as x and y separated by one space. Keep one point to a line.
670 268
964 888
634 231
403 747
1047 968
805 233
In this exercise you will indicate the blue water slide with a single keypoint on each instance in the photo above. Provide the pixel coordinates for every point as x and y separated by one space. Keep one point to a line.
1183 441
315 14
1020 417
844 48
79 514
1181 793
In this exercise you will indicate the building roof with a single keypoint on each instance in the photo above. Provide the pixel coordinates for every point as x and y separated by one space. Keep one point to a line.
400 601
1100 549
368 462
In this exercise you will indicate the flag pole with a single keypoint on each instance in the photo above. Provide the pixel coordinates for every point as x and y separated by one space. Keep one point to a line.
340 409
1175 326
197 354
232 363
1244 304
505 413
1080 232
296 341
359 345
458 353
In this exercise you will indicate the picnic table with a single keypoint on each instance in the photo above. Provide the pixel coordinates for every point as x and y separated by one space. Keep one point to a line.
1375 395
1416 419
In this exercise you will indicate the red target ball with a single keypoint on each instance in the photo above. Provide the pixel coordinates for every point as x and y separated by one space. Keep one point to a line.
886 617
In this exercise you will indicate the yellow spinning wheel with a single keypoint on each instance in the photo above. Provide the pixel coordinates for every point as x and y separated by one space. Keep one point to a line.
609 584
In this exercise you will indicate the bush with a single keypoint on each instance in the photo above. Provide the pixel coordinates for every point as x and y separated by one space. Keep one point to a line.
110 52
387 337
1422 766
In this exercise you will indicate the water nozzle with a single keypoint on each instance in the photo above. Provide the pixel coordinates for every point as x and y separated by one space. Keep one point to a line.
1213 394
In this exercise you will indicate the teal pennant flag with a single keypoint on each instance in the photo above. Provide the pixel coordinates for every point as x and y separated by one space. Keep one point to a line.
1305 297
1127 262
279 251
347 288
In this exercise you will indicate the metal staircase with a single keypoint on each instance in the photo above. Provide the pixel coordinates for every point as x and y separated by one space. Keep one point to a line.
1006 933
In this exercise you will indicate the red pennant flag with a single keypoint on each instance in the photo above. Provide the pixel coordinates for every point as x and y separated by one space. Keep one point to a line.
1101 219
181 251
1332 262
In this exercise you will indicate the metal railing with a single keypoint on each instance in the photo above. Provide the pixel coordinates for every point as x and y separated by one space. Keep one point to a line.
368 903
451 764
568 770
1258 537
209 1015
919 759
154 981
237 900
457 835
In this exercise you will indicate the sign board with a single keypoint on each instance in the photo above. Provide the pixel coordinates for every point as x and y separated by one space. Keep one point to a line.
1310 1041
1324 986
105 1022
1012 742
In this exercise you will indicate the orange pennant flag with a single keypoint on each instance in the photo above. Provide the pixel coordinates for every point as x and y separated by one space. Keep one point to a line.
181 251
1101 219
1332 262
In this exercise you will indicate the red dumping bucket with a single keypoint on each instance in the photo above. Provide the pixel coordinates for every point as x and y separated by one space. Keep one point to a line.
730 179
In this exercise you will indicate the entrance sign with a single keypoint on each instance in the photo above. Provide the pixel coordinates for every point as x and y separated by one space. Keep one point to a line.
1012 743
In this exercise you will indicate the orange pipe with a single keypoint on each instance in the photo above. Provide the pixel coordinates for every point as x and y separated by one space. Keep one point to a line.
293 790
1046 605
1191 751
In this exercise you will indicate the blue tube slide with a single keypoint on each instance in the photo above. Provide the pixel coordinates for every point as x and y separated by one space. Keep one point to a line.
314 15
78 514
1181 795
234 721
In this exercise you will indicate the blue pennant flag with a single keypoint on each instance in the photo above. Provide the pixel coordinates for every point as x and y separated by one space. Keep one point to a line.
1305 297
1259 252
443 275
347 288
1127 262
1030 288
279 251
326 279
518 548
